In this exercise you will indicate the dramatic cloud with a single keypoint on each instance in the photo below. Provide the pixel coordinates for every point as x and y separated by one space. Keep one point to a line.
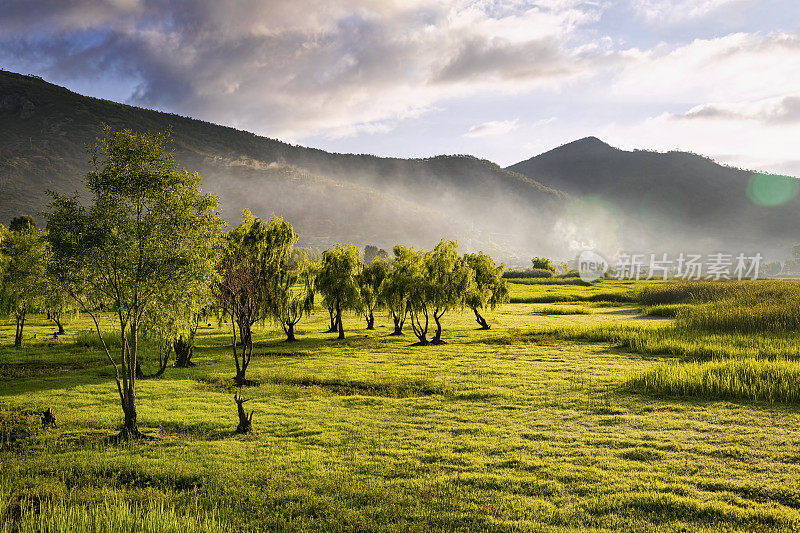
488 129
305 67
419 77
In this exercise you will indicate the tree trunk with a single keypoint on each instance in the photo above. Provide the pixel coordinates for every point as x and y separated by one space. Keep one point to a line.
398 326
332 313
437 338
481 320
245 420
420 331
370 321
290 332
339 321
20 328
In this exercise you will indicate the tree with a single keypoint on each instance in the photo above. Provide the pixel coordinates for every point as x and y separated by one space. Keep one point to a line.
396 287
336 280
148 230
442 280
23 259
371 252
22 223
543 263
294 296
57 304
369 284
249 275
489 288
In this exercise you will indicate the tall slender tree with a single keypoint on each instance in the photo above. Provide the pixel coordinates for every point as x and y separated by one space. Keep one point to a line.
249 275
336 280
294 296
23 259
396 287
489 289
369 284
442 282
149 227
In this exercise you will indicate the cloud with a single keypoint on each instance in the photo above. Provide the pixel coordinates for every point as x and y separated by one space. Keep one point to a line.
673 11
492 128
308 67
736 67
775 111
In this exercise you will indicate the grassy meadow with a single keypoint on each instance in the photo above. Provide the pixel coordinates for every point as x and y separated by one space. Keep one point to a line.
619 406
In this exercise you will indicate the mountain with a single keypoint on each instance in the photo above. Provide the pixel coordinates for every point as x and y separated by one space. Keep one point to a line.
673 201
583 194
329 198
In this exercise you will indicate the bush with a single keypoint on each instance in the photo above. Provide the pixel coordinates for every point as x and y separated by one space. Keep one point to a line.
528 273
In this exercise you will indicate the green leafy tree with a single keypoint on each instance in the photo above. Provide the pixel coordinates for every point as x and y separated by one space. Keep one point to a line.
294 297
22 223
489 288
396 287
543 263
337 281
369 284
23 260
149 229
442 280
249 274
372 252
58 305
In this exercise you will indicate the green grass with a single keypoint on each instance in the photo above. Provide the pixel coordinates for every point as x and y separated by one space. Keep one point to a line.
564 310
536 424
771 381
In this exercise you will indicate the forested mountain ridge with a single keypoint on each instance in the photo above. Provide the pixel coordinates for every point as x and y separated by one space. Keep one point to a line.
44 130
678 198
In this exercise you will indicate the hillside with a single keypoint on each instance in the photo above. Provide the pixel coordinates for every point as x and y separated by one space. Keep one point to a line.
44 130
675 199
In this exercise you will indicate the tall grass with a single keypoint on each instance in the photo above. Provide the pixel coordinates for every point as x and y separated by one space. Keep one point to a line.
772 381
88 338
111 515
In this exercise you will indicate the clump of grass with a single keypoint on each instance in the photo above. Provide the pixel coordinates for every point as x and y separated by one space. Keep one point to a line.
553 298
665 310
88 338
550 281
749 379
113 514
563 310
735 316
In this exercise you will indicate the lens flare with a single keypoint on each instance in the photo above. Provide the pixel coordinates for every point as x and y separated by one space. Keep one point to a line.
770 190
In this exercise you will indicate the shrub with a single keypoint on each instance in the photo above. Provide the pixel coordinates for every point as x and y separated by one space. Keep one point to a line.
528 273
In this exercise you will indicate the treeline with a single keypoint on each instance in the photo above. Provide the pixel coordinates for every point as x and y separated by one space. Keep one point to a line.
151 248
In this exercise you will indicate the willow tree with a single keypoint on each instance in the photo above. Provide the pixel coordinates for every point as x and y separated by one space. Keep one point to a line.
23 256
442 280
337 280
248 274
489 288
149 228
396 287
293 297
369 284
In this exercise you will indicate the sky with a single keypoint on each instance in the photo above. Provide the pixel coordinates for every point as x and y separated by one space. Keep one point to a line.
500 79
